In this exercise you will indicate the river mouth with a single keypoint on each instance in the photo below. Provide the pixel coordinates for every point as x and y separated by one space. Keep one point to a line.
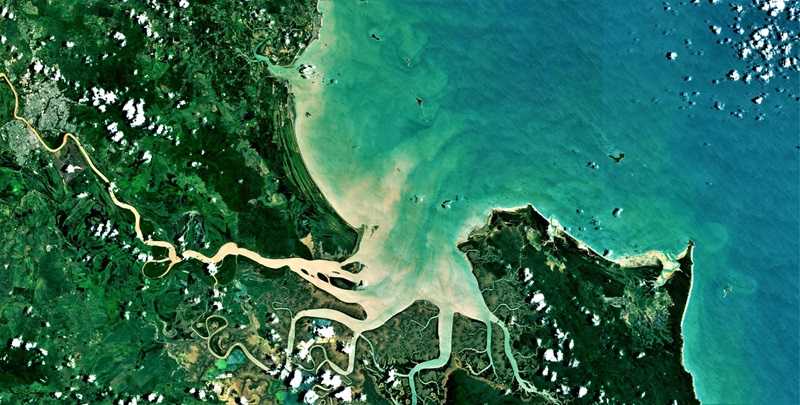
425 131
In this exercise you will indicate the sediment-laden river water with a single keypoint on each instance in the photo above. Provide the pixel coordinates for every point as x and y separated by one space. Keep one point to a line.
422 117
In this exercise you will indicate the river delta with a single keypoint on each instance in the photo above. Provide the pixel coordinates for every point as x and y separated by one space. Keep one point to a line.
160 220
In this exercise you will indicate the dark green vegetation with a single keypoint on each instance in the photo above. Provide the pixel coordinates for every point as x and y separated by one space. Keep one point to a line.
618 158
578 320
583 329
465 389
212 159
171 106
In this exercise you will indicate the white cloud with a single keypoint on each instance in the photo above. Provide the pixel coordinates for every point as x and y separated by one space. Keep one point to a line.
326 332
117 136
134 113
347 348
333 382
538 299
528 275
101 96
346 395
297 379
311 397
212 269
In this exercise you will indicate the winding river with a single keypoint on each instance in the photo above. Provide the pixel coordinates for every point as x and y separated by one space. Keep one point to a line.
387 288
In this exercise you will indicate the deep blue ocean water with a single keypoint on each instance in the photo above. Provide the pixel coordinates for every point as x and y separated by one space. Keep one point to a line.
521 98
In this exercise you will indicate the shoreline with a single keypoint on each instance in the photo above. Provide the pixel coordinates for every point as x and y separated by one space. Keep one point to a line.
649 258
688 253
297 168
299 175
646 259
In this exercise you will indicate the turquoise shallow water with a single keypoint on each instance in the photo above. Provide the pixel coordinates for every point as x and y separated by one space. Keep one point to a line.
517 100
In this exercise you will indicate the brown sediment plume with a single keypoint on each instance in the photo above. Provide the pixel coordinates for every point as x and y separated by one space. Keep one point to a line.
378 305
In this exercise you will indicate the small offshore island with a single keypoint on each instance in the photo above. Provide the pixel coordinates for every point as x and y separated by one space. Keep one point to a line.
122 284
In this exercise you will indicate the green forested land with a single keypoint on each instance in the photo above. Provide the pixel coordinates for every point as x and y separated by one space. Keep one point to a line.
206 166
613 331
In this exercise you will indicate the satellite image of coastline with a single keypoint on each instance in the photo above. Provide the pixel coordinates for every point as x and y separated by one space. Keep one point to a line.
400 202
